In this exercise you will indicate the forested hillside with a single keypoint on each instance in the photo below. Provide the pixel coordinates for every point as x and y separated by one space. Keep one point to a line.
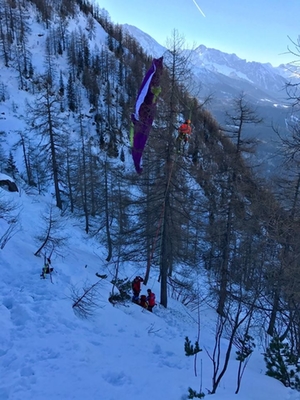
68 84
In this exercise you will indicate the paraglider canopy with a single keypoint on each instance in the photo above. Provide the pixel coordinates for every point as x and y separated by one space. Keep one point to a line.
145 108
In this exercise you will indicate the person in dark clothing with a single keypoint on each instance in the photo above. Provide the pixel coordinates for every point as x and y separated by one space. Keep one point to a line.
46 269
136 299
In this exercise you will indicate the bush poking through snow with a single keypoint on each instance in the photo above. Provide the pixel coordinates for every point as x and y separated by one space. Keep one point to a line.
85 300
193 350
123 295
193 394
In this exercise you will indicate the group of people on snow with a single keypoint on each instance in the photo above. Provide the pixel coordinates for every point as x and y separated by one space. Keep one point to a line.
145 301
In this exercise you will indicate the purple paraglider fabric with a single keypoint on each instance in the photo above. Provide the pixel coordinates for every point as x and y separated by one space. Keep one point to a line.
145 108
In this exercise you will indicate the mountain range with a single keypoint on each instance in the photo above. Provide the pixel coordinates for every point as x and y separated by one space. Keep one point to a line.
262 81
225 76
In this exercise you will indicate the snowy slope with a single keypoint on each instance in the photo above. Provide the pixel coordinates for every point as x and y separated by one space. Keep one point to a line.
122 352
150 45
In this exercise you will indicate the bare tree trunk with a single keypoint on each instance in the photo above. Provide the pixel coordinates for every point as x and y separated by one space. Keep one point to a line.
217 376
107 226
225 261
271 327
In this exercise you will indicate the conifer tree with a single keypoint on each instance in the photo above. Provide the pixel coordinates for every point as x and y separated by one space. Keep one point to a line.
44 118
282 364
191 350
72 103
11 168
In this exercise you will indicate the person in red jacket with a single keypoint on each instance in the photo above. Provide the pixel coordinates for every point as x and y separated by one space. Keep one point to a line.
185 131
150 300
136 286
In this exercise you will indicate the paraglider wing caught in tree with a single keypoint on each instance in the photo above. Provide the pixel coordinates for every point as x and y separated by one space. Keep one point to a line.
145 108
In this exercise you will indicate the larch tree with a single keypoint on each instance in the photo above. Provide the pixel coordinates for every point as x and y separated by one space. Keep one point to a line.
241 115
45 119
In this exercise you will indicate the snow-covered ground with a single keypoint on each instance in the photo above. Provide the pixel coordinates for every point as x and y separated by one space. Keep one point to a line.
121 352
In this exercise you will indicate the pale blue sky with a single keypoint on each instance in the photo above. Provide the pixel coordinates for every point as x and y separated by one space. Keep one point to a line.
255 30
